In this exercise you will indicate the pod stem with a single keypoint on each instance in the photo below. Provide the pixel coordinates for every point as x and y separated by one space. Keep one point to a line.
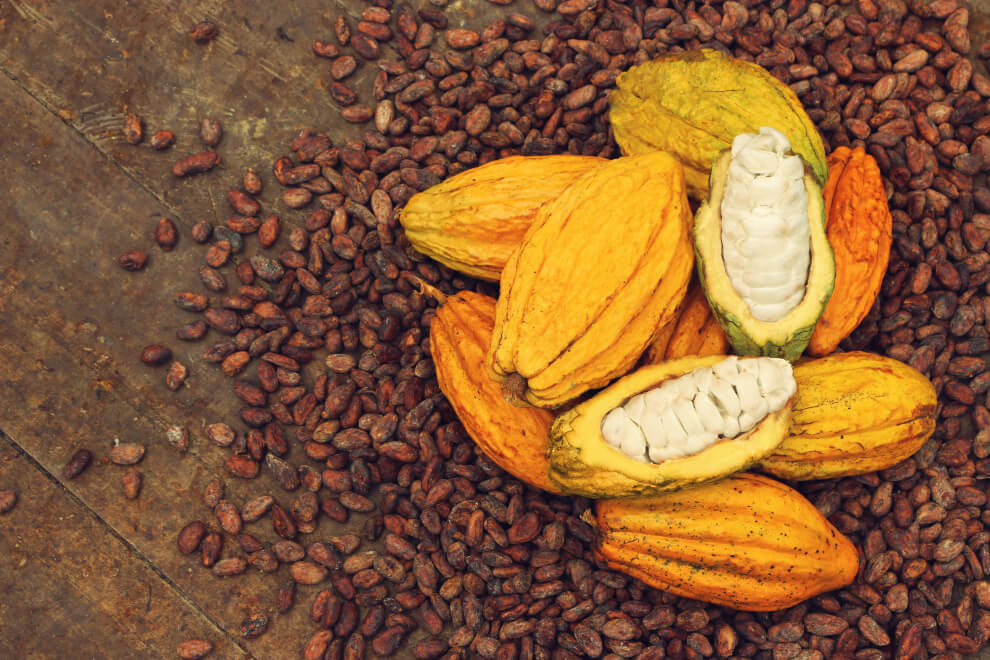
588 516
428 289
514 390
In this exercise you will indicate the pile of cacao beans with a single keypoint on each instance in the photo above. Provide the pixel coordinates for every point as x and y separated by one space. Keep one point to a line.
457 559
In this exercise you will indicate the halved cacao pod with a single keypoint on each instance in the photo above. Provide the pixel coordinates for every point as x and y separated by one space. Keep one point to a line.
746 542
693 104
748 331
515 438
583 462
693 331
474 220
854 413
860 230
598 274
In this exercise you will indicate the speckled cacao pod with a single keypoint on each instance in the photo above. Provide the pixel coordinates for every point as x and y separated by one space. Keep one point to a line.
854 413
474 220
859 228
747 542
601 270
515 438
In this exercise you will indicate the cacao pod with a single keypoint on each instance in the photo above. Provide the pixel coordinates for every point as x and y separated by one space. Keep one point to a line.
474 220
693 104
514 438
762 253
854 413
746 542
681 440
694 330
598 274
860 229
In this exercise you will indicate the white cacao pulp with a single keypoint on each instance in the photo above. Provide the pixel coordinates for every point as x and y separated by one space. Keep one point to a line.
684 415
766 245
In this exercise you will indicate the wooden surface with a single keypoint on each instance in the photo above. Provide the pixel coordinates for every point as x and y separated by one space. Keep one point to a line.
85 573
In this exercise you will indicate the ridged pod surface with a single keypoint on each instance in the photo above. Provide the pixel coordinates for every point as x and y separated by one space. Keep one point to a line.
854 413
693 331
515 438
860 231
583 464
693 104
601 270
473 221
746 542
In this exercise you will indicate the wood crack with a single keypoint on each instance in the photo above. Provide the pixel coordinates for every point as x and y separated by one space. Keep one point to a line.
135 551
133 176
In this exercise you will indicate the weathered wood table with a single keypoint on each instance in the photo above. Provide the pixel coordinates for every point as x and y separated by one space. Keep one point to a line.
85 573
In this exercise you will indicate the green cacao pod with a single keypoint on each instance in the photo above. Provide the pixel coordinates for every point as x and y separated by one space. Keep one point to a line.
693 104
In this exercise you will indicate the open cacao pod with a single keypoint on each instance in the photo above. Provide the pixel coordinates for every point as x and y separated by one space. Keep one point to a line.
762 253
671 425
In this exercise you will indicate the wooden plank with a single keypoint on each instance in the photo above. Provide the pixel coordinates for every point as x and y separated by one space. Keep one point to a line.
72 325
91 62
71 588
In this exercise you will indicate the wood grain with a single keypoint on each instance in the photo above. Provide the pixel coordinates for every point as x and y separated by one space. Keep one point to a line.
91 62
69 583
72 325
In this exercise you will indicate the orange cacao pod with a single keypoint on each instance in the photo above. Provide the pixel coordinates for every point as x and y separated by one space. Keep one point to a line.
747 542
694 330
515 438
859 228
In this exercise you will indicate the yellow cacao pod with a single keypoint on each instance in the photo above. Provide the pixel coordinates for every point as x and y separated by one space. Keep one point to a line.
747 542
860 231
515 438
854 413
693 331
598 274
474 220
693 104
